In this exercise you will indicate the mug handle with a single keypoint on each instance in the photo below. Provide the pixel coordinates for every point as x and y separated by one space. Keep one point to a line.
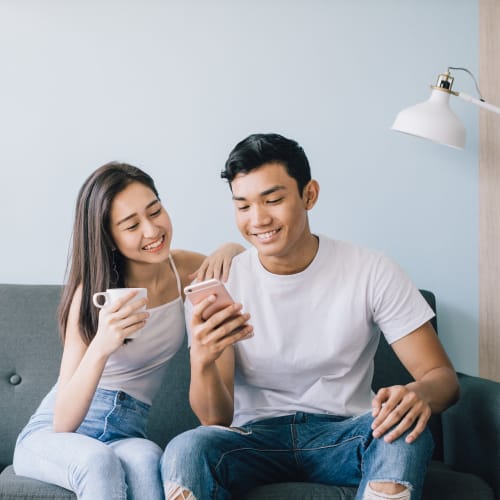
96 296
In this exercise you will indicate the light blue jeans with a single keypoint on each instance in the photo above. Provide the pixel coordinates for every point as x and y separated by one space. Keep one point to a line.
107 457
215 462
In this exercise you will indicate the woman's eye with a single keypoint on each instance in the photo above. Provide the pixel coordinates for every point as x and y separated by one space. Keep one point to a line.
132 227
156 213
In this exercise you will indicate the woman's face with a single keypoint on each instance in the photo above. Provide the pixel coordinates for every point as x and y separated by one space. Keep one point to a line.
139 225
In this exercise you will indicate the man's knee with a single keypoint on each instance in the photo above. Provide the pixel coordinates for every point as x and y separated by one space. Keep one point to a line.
175 492
386 490
404 454
186 450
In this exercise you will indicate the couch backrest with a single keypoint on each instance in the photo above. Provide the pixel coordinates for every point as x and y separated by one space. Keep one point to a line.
30 354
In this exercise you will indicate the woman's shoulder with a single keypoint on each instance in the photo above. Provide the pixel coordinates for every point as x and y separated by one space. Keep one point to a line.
186 261
187 257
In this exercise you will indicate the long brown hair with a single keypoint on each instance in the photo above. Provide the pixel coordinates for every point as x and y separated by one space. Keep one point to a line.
94 262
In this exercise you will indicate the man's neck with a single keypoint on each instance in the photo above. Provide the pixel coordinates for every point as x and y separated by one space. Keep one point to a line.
293 262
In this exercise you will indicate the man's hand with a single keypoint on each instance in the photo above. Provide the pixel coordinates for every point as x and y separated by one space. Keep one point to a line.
224 328
397 409
211 392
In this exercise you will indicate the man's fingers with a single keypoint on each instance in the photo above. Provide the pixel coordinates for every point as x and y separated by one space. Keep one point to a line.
228 328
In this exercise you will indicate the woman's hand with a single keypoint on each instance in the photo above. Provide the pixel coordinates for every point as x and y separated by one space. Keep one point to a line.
397 409
224 328
118 321
217 264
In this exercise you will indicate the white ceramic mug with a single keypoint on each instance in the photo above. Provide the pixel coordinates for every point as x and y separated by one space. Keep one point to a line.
113 294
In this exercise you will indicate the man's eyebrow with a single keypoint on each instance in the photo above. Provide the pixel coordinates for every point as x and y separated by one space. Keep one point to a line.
267 192
125 219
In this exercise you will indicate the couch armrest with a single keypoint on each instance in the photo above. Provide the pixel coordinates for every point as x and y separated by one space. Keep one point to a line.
471 430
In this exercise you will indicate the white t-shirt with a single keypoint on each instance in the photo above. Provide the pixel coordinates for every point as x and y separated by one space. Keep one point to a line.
316 332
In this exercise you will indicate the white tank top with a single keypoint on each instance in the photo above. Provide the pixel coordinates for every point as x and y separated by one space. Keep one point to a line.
137 367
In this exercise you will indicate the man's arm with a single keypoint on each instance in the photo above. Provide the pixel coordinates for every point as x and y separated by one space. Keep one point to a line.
211 391
435 387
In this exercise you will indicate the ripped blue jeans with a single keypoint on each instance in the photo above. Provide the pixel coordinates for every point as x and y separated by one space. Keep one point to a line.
215 462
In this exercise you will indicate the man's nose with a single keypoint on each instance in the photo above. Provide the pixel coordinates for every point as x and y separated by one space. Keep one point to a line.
260 216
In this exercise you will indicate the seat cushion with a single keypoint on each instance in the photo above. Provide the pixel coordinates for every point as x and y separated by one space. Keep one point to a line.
300 491
13 487
441 482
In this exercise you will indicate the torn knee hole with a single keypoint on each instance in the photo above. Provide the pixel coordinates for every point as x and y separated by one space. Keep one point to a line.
385 490
175 492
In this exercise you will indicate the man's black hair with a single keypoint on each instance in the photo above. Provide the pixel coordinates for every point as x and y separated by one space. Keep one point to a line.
259 149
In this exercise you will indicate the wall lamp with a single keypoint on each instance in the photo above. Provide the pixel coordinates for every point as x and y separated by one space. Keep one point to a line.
434 119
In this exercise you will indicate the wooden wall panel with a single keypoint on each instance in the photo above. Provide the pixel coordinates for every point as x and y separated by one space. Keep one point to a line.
489 192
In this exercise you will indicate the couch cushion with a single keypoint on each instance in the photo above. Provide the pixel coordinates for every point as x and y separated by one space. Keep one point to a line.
441 483
30 354
171 414
444 483
300 491
16 487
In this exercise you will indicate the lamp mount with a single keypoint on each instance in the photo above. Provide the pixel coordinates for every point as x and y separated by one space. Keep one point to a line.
445 83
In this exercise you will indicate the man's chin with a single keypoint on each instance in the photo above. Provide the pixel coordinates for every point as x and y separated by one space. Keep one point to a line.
268 251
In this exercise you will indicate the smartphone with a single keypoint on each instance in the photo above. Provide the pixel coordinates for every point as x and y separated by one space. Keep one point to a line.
198 291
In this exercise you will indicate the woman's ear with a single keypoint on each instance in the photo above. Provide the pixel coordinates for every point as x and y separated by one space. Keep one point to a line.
310 194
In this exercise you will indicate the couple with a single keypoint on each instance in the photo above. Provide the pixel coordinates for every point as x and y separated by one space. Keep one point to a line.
293 380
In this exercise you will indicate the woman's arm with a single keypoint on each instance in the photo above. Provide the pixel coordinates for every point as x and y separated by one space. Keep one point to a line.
82 365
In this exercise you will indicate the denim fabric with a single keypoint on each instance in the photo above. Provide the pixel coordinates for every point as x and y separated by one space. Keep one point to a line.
112 415
115 415
216 462
107 457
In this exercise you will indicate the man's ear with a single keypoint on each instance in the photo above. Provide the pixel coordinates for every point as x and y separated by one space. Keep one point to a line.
310 194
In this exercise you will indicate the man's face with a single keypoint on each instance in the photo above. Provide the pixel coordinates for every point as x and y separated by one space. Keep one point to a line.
271 214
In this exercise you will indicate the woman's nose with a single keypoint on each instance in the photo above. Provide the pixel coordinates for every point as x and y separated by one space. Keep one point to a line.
150 230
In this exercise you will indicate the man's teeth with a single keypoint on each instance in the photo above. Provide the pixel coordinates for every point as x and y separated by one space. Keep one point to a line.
266 236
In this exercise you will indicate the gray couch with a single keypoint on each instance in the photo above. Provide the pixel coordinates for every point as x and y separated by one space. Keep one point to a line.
467 457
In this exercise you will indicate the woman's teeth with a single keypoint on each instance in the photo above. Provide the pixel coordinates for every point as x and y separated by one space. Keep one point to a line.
155 244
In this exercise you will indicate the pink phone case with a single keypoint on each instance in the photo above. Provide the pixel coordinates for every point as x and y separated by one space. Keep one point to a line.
198 291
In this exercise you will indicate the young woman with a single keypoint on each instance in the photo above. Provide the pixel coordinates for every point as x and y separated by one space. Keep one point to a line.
88 434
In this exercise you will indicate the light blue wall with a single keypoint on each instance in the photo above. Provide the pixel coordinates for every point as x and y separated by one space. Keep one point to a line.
172 86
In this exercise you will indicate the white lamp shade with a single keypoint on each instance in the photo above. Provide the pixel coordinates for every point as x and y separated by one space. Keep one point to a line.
434 120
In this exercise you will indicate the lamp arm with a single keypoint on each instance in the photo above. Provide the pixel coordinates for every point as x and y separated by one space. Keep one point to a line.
478 102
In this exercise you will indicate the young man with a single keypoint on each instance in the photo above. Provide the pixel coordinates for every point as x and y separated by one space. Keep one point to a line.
297 390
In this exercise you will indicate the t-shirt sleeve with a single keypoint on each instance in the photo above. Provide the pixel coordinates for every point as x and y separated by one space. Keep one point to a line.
398 307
